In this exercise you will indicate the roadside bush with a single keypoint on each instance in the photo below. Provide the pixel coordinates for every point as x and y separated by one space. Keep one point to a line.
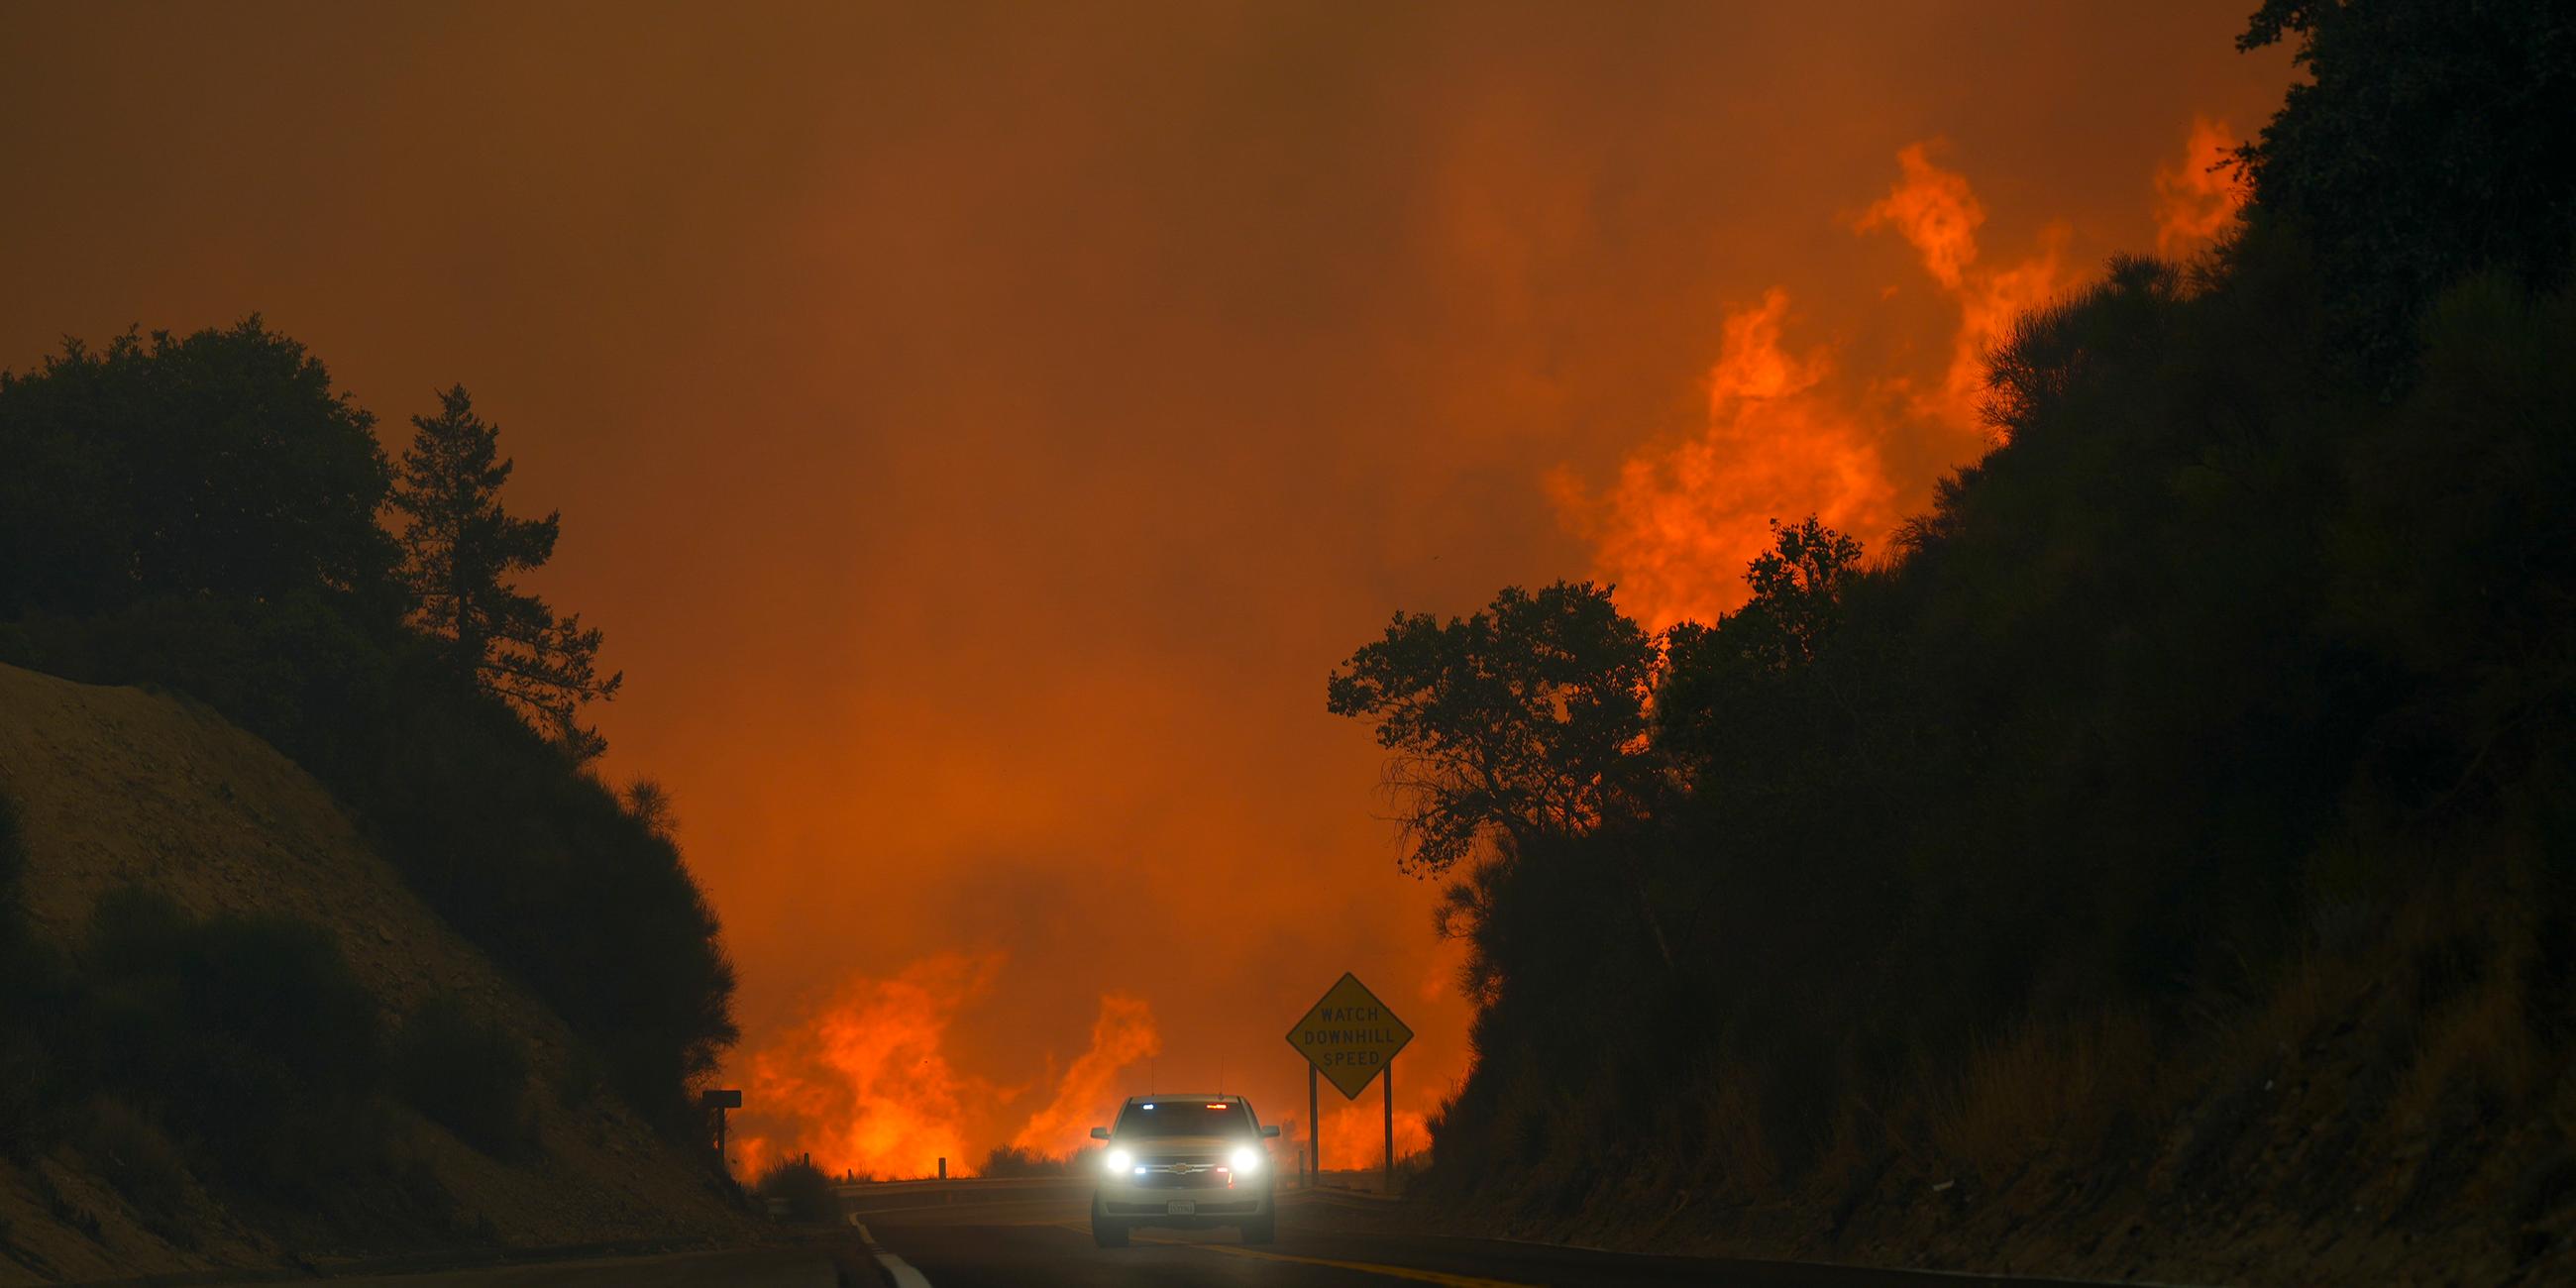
467 1074
1012 1160
807 1191
248 1036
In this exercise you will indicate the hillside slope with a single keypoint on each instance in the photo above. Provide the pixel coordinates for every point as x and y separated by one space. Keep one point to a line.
117 788
2333 1134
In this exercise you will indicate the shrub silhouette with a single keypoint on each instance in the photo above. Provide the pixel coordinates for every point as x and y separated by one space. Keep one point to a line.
468 1074
1014 1160
804 1187
248 1035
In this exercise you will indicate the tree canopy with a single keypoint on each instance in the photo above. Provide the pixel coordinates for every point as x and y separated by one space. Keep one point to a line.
2437 138
1527 717
221 463
462 553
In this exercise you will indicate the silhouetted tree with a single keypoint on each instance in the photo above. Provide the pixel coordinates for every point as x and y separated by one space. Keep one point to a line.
202 514
2437 138
221 464
1729 675
1526 719
461 553
1797 591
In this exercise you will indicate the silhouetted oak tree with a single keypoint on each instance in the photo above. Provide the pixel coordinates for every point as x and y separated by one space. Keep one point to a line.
1725 687
217 465
461 553
1526 719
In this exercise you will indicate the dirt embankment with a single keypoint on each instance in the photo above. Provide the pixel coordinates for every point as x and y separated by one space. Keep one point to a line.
2356 1128
118 787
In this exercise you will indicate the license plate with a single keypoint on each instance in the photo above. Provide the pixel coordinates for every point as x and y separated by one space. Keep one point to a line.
1181 1207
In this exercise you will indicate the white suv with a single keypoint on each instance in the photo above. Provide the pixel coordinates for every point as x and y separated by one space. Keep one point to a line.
1184 1162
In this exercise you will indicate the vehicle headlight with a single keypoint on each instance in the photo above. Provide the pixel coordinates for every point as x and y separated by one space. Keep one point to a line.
1119 1160
1247 1160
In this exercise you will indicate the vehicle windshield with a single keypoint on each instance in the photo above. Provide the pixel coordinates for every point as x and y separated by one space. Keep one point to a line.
1184 1118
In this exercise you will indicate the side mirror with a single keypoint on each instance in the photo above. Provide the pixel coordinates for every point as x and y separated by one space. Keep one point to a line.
1270 1133
1102 1133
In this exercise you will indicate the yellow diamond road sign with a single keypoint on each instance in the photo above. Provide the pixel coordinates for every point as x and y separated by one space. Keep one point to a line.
1349 1036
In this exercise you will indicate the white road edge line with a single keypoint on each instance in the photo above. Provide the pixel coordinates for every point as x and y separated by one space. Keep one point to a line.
904 1276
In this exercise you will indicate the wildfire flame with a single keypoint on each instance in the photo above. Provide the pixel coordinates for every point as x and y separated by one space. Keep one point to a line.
1123 1035
1936 212
1355 1135
1785 439
1775 444
2200 196
863 1086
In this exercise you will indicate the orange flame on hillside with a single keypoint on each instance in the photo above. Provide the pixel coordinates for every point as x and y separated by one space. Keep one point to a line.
863 1086
1676 530
1938 213
1355 1135
1089 1093
2199 197
1775 445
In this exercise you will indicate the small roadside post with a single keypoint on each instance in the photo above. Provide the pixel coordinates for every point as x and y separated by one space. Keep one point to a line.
1351 1038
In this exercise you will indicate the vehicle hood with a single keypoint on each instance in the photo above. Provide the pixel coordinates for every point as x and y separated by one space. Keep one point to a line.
1158 1146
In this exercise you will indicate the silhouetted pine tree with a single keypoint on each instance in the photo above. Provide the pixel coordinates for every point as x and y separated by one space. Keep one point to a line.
461 551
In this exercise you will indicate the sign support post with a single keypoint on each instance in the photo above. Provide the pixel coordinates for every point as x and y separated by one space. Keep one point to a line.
1387 1185
1350 1038
1314 1135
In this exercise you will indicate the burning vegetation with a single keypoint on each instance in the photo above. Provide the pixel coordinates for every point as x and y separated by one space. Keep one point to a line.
2155 865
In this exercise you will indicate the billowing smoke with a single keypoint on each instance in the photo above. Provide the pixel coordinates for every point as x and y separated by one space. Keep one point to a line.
2198 198
1090 1090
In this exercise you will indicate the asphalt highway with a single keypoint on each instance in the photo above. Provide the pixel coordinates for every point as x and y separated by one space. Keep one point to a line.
1023 1239
973 1234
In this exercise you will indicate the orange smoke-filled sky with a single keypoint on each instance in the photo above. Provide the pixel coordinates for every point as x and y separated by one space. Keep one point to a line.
981 429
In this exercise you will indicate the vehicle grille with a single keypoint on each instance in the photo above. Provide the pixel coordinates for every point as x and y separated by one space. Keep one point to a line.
1173 1173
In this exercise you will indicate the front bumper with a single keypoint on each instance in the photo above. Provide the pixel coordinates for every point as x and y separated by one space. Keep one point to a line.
1183 1208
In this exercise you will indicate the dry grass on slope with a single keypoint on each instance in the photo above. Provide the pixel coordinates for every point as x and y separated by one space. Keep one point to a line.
117 788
